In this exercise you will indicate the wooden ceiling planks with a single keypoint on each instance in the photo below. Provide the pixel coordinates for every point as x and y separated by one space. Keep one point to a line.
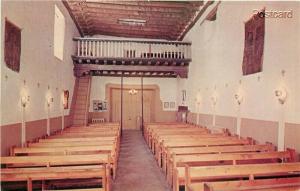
164 19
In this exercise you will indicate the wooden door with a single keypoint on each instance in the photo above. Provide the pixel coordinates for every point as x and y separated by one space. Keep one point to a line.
131 110
115 105
132 107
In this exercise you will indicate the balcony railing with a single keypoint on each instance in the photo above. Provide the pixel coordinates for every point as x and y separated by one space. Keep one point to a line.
95 48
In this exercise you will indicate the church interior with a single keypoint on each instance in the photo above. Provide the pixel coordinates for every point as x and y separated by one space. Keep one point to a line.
101 95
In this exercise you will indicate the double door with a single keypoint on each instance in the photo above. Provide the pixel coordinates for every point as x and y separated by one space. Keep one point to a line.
132 107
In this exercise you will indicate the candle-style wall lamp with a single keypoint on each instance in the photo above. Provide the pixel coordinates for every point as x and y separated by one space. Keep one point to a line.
214 99
49 101
24 101
281 95
239 98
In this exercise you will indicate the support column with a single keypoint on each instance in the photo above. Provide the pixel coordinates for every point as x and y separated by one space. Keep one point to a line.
23 127
198 114
214 115
121 104
63 118
238 122
142 97
281 129
48 120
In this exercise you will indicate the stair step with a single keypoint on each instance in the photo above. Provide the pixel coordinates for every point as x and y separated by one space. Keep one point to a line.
80 105
81 102
79 110
81 96
82 89
81 93
84 79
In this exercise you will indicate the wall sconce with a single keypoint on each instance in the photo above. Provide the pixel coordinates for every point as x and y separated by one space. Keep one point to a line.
49 101
281 95
24 100
132 91
214 99
238 98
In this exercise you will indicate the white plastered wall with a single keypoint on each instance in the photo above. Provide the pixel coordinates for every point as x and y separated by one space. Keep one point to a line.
167 86
217 53
216 68
38 64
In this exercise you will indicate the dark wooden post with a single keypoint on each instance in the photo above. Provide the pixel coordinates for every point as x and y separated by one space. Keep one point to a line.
142 92
121 104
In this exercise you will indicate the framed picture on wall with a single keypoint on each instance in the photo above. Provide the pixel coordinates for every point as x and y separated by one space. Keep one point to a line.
166 105
99 105
172 105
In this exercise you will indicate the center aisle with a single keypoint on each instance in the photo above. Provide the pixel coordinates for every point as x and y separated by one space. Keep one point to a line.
137 168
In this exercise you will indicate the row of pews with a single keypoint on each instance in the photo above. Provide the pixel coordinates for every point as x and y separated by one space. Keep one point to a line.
77 159
195 159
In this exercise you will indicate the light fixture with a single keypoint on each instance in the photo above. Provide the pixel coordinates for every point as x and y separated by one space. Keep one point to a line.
24 100
49 101
214 99
132 91
239 98
281 95
132 22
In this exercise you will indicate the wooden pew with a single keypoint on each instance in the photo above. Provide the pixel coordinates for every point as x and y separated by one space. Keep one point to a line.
153 138
276 184
55 160
157 140
202 138
201 175
151 129
19 162
212 150
56 173
64 155
197 143
29 151
76 139
71 150
177 163
88 135
71 144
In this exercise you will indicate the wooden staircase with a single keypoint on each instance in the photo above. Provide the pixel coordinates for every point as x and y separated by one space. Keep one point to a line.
82 101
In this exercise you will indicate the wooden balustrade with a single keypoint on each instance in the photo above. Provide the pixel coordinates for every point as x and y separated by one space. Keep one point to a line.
104 48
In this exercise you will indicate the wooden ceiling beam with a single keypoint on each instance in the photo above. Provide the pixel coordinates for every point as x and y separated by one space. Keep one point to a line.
99 7
79 69
164 20
157 25
131 14
129 33
139 8
135 14
174 4
104 27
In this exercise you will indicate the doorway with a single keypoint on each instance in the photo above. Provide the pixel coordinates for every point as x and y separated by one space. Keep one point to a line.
132 105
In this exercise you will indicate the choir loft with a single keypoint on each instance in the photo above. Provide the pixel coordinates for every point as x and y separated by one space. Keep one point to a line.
150 95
